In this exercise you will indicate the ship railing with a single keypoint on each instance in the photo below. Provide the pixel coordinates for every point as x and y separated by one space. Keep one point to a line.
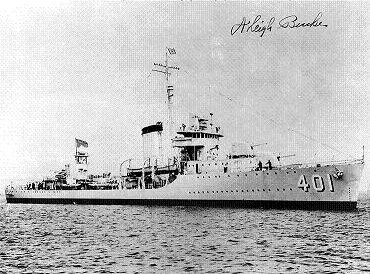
148 163
323 163
15 187
207 129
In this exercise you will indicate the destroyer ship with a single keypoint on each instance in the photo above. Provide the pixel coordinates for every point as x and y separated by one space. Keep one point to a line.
195 173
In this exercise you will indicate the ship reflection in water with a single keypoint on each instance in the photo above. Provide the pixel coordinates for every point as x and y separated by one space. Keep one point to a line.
111 239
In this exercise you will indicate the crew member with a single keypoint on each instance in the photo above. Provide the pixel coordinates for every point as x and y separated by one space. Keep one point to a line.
269 165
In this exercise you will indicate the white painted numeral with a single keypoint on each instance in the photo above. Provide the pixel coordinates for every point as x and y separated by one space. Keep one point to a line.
302 183
331 185
318 183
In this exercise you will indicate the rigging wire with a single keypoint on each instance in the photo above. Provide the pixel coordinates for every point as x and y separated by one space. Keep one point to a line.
276 123
288 128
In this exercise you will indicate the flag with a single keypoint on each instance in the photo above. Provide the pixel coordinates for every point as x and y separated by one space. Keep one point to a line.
171 51
170 91
81 143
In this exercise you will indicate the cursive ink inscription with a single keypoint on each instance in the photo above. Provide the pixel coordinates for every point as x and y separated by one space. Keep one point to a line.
256 26
260 26
292 22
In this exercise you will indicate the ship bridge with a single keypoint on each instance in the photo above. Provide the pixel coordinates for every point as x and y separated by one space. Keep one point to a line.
198 141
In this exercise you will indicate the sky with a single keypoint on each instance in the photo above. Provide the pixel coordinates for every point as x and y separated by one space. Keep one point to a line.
84 70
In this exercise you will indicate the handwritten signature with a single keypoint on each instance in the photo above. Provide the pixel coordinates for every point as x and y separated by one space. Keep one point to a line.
261 26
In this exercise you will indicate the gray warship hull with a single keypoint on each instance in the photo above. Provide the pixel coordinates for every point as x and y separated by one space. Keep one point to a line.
315 187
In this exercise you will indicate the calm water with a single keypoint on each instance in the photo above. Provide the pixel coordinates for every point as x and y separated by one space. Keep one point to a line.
118 239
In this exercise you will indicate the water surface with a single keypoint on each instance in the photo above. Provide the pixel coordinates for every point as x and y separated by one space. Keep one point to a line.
119 239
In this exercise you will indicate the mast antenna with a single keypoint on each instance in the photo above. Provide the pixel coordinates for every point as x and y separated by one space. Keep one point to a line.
165 69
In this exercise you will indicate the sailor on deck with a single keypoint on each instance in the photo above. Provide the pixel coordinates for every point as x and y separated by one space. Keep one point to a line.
269 165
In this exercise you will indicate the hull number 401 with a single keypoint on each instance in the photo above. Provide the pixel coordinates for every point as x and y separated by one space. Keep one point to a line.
317 182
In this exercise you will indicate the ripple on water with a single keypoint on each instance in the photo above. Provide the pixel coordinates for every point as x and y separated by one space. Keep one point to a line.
110 239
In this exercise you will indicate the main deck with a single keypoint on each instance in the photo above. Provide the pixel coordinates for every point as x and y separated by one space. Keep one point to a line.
310 187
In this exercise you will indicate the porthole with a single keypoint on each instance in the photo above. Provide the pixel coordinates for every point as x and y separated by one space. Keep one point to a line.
252 190
263 189
267 173
258 189
277 189
295 171
275 172
237 175
242 190
236 190
231 191
245 175
287 172
256 174
213 191
269 189
283 189
314 170
227 191
291 189
222 191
